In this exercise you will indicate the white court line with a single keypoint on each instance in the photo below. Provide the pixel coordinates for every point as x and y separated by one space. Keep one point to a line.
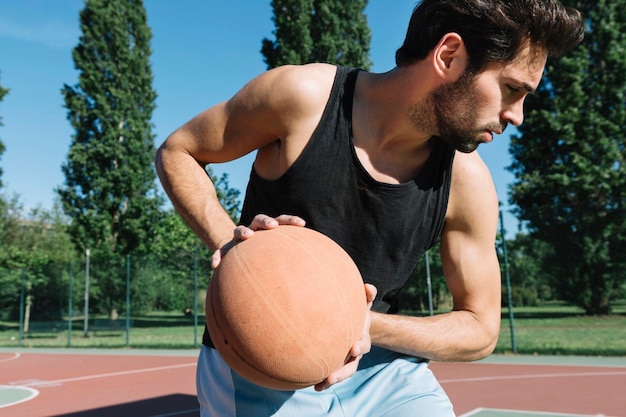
107 375
529 413
16 355
535 376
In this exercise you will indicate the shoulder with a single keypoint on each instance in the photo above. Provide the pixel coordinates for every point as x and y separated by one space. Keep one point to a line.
290 87
473 203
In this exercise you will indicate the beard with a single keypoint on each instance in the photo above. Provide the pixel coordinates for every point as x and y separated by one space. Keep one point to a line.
450 110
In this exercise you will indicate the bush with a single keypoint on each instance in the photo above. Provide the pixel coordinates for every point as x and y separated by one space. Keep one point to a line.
520 296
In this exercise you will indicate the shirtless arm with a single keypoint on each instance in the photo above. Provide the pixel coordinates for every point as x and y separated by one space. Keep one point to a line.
471 268
270 114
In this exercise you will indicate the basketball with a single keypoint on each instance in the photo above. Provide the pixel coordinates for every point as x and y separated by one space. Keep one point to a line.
285 307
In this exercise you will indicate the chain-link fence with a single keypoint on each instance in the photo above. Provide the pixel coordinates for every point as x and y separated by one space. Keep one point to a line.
128 301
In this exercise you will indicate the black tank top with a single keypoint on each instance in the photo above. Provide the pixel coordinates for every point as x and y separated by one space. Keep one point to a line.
385 228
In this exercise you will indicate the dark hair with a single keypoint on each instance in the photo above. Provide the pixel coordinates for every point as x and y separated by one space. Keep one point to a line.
492 30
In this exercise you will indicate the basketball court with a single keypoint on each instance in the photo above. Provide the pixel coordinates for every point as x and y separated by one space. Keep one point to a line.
97 383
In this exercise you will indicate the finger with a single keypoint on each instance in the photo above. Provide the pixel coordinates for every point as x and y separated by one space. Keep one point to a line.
290 220
242 233
340 375
363 345
262 222
370 293
216 258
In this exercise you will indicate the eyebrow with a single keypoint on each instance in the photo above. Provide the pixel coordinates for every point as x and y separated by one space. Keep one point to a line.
529 88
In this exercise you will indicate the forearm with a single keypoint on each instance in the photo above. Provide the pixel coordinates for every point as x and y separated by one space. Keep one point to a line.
193 195
454 336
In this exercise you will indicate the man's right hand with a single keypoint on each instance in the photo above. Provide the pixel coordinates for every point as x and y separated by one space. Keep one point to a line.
260 222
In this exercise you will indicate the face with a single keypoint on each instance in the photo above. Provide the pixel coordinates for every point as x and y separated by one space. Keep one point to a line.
471 110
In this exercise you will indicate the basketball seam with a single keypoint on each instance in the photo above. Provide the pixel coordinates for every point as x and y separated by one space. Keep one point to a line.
344 306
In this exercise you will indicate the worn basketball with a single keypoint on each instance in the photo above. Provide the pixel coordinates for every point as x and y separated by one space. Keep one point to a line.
285 307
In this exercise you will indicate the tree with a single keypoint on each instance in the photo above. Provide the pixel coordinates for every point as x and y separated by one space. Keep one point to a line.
36 251
529 272
569 161
331 31
110 190
3 92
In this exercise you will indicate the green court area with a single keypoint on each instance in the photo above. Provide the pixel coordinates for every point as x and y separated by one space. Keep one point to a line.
10 395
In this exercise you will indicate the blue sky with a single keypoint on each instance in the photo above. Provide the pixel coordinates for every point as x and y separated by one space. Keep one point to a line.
203 52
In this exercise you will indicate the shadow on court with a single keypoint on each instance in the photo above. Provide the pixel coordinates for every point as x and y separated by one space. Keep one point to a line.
179 405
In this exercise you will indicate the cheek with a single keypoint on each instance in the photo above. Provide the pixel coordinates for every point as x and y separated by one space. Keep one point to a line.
490 106
489 96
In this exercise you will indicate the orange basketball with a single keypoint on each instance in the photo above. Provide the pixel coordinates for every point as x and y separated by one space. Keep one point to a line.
285 306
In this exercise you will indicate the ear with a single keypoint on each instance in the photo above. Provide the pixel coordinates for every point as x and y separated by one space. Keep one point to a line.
449 57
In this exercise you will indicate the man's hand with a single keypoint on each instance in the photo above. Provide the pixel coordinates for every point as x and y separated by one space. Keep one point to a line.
260 222
359 349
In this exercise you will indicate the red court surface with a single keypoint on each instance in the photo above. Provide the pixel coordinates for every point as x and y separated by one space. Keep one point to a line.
36 383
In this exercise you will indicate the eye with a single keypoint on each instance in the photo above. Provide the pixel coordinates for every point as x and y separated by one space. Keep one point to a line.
512 88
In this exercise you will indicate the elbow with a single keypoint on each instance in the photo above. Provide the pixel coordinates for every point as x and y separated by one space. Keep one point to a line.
485 335
479 352
161 161
489 342
488 349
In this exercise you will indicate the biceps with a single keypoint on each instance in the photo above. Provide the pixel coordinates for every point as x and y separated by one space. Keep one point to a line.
472 272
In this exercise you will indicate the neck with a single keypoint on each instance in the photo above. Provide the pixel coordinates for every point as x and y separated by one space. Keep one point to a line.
383 105
389 145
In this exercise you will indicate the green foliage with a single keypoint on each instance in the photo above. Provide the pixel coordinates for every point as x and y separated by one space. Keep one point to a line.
37 252
569 162
3 92
414 296
520 297
33 248
179 252
228 197
110 189
330 31
529 269
32 240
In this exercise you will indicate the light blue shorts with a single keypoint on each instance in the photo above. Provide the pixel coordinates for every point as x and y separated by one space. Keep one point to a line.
387 384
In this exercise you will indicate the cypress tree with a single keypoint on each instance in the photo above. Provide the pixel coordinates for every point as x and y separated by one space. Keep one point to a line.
330 31
110 189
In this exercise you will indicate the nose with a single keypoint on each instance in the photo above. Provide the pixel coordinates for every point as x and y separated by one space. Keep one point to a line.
514 114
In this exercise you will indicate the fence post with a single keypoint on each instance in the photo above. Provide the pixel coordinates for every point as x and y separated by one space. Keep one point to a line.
195 296
127 300
429 283
70 312
508 284
86 312
21 332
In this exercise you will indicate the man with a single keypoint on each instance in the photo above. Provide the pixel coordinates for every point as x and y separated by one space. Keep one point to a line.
383 164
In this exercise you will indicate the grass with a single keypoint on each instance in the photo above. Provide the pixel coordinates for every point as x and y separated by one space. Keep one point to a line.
552 329
562 330
153 331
